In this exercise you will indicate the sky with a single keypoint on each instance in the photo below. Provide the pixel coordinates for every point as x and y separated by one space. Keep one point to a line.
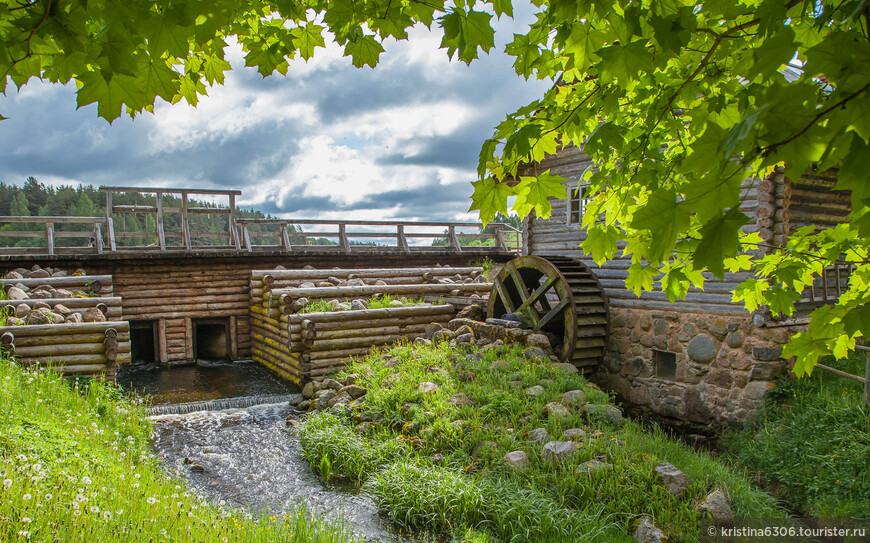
328 141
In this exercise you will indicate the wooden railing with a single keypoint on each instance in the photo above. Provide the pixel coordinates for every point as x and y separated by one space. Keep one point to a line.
185 211
397 230
50 234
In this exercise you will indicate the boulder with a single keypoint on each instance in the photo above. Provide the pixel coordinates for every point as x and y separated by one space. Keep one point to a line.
351 379
54 318
499 365
466 376
431 329
62 309
307 284
565 366
574 398
354 391
461 399
37 318
330 384
358 305
574 434
473 312
15 293
324 284
556 410
465 339
504 323
539 340
701 349
12 274
428 387
540 435
536 390
396 303
308 390
603 412
717 506
38 274
647 532
558 451
334 305
73 318
62 293
340 398
22 310
676 481
443 335
518 460
93 315
592 466
536 354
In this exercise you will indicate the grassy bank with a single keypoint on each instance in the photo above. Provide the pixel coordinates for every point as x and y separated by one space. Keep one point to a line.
811 443
74 466
435 465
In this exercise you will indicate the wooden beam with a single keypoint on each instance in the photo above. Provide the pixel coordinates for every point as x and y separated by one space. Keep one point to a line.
162 352
98 238
452 239
342 238
285 238
401 240
185 223
161 239
49 237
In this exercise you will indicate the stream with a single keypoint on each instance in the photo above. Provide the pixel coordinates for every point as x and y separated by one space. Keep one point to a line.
251 460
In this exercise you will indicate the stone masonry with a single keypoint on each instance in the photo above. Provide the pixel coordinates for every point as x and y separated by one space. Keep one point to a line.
719 372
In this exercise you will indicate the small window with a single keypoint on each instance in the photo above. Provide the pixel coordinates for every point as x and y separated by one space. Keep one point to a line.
578 199
666 365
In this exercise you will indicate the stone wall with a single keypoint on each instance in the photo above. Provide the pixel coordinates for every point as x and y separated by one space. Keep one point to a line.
693 368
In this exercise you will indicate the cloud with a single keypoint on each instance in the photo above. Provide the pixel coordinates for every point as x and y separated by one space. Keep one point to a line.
329 140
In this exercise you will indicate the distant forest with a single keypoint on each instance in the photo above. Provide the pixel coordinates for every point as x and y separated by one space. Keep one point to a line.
37 199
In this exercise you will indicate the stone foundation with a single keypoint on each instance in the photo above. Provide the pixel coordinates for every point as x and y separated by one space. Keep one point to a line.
693 368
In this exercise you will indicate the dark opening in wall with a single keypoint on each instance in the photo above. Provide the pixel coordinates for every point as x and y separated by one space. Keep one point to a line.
211 339
143 338
666 365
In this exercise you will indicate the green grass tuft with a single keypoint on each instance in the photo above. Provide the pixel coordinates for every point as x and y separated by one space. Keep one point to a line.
811 442
75 466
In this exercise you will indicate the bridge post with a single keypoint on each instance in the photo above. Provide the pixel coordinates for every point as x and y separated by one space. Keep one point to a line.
342 238
453 240
185 223
110 224
49 237
285 238
98 238
161 239
401 240
234 236
247 237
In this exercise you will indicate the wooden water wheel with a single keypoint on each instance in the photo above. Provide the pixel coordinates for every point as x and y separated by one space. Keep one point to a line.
559 297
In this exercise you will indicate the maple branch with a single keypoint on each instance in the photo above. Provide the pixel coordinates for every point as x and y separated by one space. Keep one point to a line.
768 149
33 32
24 5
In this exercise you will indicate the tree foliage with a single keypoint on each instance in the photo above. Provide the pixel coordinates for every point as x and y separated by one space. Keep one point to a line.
677 102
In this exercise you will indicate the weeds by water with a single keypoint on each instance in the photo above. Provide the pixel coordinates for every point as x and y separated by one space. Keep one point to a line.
74 466
434 465
811 441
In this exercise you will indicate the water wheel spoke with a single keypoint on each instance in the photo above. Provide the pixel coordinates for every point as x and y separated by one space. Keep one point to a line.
504 295
524 295
552 314
534 296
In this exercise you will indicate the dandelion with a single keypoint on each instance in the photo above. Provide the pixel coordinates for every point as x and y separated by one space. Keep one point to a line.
152 500
26 497
7 483
24 533
26 520
48 496
86 480
95 509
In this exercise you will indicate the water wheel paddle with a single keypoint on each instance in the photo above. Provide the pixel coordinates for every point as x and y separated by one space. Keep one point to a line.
559 297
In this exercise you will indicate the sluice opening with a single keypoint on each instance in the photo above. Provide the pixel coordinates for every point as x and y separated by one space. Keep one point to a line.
211 340
143 339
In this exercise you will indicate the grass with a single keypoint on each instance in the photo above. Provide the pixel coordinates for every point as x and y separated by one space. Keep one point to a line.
3 314
811 443
420 457
75 466
380 302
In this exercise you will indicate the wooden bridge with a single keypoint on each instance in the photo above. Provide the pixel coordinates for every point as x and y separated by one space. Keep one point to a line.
181 285
106 235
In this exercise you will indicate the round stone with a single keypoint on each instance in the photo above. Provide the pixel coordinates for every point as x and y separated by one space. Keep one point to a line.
701 349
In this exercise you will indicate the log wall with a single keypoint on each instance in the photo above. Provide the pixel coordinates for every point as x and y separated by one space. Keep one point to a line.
87 349
100 285
176 290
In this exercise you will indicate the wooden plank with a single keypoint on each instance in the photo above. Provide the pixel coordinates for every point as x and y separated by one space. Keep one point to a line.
161 342
49 237
161 239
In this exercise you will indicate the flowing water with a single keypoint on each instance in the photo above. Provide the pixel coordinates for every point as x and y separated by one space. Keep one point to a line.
250 458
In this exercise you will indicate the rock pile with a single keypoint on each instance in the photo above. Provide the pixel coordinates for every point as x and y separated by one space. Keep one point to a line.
330 393
33 312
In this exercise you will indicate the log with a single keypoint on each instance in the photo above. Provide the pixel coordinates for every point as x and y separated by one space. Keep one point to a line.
368 290
66 360
357 342
64 329
366 314
362 332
